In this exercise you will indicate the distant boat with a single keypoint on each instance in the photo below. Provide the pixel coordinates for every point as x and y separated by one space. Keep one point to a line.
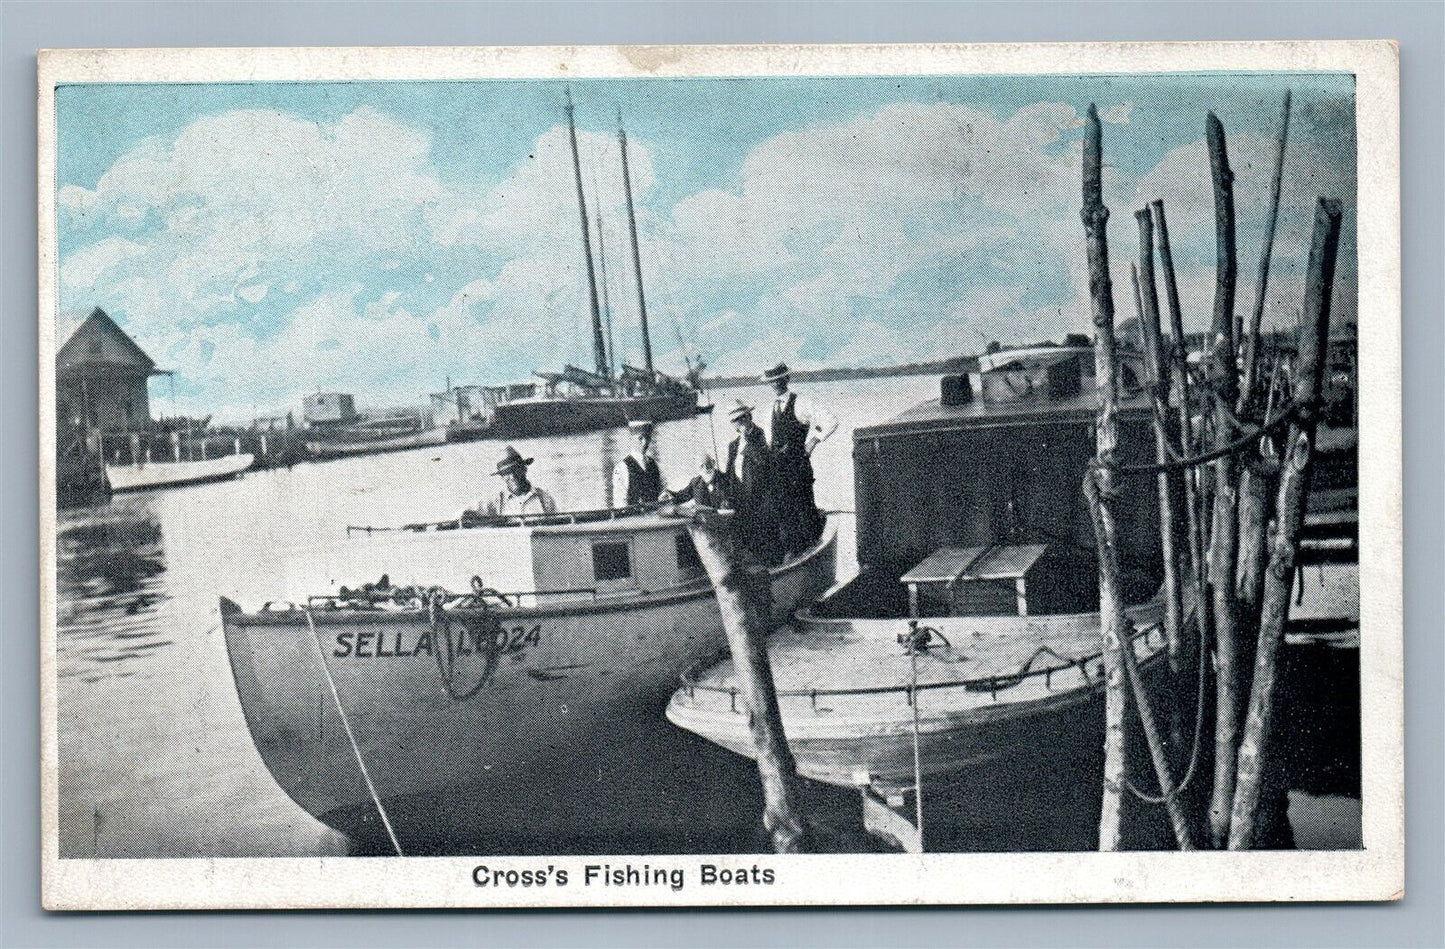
530 714
578 400
372 442
150 475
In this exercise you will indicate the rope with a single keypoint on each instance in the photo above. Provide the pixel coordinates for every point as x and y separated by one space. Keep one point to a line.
1189 772
917 757
442 631
355 749
1268 428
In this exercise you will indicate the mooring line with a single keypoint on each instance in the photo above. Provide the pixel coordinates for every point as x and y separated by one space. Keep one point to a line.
355 748
917 757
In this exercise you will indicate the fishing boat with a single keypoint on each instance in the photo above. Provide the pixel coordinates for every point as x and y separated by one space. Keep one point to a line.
151 475
971 631
411 719
577 399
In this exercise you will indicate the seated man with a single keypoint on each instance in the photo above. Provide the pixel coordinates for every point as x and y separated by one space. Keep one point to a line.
711 488
520 495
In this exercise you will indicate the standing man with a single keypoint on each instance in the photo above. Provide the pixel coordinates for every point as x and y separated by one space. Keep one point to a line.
519 495
798 426
636 479
750 468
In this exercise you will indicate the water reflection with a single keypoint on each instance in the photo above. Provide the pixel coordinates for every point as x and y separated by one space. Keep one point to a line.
110 566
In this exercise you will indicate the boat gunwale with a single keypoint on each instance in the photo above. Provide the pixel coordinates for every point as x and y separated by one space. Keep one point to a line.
232 614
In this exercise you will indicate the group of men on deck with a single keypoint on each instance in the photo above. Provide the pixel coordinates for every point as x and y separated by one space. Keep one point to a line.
767 479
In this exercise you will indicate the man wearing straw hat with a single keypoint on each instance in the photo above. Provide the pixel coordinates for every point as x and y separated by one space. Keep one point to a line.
750 469
519 496
636 479
797 426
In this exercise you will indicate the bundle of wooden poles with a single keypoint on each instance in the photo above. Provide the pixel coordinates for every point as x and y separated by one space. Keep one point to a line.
1233 440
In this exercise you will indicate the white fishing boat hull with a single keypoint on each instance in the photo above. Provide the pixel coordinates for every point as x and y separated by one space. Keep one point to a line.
564 737
170 474
849 714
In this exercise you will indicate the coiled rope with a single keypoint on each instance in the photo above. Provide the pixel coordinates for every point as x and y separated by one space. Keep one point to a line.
355 748
441 632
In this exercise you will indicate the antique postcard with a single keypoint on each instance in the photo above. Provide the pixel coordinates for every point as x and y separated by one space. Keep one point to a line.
546 477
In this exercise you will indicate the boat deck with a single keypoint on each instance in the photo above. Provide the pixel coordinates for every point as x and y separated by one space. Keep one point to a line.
847 671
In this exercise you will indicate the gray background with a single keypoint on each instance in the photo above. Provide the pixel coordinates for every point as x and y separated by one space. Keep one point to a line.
1420 28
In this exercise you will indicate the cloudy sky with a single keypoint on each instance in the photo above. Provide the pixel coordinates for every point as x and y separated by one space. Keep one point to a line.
265 240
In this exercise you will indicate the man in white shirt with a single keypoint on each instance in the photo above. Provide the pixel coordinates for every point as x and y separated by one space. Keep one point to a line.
520 496
796 427
636 479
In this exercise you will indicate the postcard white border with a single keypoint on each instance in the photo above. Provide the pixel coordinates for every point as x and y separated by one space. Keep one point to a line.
1374 873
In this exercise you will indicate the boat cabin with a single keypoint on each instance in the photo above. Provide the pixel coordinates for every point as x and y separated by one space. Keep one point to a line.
972 504
538 561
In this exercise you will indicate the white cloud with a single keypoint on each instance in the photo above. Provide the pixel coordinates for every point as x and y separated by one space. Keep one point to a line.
915 231
1118 114
84 267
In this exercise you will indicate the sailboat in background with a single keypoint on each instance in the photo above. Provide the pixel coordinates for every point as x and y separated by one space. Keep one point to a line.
576 399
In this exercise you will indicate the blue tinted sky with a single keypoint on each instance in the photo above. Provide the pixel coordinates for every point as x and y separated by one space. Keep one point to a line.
265 240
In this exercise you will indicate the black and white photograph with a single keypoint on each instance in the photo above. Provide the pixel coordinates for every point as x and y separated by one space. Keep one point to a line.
619 472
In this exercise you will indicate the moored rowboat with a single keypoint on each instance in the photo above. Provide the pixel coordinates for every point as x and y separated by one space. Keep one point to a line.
170 474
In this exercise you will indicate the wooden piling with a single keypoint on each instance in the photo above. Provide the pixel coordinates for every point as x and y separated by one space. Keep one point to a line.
744 596
1291 497
1224 533
1179 354
1156 382
1101 481
1256 320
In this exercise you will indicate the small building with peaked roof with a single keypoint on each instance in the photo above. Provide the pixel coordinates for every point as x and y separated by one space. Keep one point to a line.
101 378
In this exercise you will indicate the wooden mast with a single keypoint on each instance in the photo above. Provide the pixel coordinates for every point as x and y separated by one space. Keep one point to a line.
599 345
602 278
636 254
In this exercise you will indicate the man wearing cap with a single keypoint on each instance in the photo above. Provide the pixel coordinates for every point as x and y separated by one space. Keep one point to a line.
750 469
636 479
519 496
797 426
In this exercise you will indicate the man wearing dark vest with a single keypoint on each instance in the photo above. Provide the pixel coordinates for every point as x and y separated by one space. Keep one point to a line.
750 470
636 479
797 426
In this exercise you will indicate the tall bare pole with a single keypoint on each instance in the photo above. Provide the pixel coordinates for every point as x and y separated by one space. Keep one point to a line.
1158 753
1224 536
1293 491
1179 357
602 279
744 598
599 345
636 253
1101 486
1156 380
1256 319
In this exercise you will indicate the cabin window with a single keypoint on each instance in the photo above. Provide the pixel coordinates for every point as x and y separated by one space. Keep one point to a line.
611 560
687 558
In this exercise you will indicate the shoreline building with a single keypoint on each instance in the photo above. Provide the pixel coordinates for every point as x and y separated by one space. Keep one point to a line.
101 389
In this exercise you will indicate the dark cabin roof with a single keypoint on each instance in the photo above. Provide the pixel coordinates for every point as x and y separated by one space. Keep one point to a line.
99 343
933 416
